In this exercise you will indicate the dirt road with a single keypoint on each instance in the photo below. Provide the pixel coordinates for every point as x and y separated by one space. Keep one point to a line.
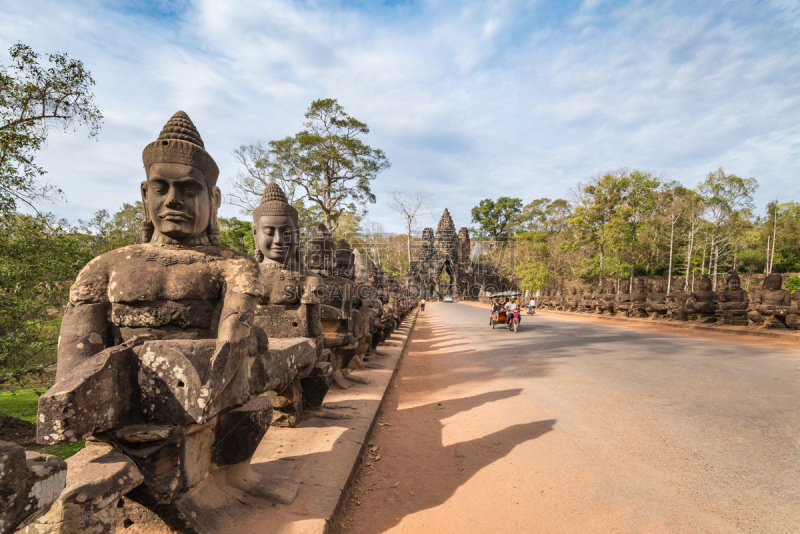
571 426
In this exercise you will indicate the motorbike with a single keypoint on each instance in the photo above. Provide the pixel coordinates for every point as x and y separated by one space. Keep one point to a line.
530 311
513 324
500 317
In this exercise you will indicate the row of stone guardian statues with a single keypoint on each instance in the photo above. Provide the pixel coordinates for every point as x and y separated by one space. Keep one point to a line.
771 306
176 355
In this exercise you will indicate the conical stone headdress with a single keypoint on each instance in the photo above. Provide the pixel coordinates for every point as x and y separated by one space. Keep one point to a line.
274 202
180 142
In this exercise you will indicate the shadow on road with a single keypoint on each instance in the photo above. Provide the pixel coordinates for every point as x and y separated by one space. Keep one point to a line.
417 471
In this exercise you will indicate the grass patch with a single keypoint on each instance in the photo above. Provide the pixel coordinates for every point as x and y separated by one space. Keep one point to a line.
65 450
21 403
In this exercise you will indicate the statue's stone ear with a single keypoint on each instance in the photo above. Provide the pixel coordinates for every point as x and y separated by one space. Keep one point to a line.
216 198
213 225
147 224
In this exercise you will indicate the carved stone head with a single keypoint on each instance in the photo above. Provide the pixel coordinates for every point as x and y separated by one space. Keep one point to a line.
639 285
773 282
180 195
680 281
275 229
345 260
624 286
733 283
320 251
705 283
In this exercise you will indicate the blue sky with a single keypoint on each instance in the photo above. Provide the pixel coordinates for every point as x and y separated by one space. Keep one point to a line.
469 100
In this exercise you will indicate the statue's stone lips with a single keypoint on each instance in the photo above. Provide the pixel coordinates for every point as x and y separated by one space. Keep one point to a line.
173 215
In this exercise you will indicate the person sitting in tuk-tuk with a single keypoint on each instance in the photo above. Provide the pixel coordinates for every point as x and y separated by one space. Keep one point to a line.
496 306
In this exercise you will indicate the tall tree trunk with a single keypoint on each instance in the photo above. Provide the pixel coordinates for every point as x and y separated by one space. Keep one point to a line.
767 265
716 265
671 243
690 250
703 264
774 238
600 283
633 253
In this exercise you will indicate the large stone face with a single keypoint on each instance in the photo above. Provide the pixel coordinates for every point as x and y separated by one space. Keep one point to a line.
30 483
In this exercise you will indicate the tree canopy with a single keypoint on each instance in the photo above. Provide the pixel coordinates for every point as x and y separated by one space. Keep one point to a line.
496 218
327 164
34 98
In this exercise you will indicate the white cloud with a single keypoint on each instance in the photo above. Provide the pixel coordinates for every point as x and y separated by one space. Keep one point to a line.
469 100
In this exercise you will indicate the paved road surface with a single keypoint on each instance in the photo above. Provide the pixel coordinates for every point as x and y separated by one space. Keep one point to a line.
583 426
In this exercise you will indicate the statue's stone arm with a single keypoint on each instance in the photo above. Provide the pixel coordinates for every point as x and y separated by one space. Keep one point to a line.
85 326
243 290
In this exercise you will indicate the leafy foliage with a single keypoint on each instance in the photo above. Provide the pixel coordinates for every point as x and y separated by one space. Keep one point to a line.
237 235
38 262
792 284
327 164
497 218
34 98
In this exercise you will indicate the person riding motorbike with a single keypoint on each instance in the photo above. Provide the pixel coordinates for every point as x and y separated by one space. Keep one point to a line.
511 306
532 305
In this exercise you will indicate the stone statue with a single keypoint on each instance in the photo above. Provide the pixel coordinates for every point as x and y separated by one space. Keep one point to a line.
571 302
288 312
701 305
733 301
604 304
622 302
638 306
586 303
793 317
676 301
336 304
656 306
771 303
154 345
360 319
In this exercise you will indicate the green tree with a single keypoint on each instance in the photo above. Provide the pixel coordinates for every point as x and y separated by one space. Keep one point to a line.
39 259
497 218
729 203
327 162
545 215
640 195
237 235
595 216
34 98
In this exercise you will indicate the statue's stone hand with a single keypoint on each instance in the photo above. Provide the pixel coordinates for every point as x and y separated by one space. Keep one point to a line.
190 381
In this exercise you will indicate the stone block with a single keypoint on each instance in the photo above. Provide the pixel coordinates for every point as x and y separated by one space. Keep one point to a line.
97 477
316 385
278 321
177 460
286 360
239 431
173 377
30 483
99 394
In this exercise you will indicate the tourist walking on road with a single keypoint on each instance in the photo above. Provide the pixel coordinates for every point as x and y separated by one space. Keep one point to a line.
422 305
